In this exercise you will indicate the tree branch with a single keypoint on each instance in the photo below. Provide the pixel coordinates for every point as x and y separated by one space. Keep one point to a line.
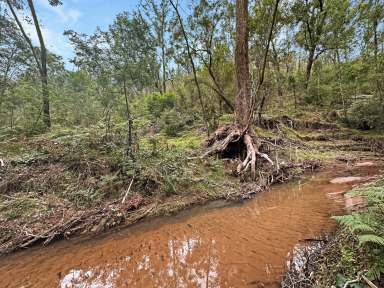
29 41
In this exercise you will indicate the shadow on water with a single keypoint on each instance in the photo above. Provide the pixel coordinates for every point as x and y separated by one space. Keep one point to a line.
232 246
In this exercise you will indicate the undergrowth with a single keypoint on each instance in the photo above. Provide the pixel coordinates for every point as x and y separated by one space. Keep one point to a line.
359 246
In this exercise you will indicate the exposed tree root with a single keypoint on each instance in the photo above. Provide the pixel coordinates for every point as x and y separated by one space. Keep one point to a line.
230 140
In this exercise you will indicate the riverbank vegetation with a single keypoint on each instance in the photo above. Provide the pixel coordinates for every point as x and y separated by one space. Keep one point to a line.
354 256
173 105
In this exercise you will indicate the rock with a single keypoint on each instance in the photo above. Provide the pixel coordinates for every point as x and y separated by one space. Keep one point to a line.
341 180
365 164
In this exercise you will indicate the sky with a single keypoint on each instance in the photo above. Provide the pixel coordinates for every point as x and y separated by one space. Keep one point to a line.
79 15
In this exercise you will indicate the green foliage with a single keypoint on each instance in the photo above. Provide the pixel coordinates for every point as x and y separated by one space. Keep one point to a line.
371 238
172 122
83 198
366 115
341 280
357 223
367 227
157 103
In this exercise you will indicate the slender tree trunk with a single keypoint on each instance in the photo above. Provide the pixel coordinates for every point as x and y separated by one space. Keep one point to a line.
164 69
261 80
44 71
129 119
310 61
294 96
205 118
279 80
243 96
219 91
163 63
375 40
163 58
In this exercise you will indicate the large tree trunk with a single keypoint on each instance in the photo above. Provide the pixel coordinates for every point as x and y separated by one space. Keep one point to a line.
243 97
43 70
241 135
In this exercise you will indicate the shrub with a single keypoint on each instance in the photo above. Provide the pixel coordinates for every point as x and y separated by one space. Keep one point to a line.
157 103
366 115
171 122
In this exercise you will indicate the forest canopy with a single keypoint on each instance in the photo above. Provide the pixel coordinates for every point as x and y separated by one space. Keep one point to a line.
325 54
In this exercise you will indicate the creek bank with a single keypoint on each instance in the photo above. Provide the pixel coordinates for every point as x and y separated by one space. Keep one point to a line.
117 214
72 184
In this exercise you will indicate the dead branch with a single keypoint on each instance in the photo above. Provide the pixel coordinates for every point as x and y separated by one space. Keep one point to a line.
129 188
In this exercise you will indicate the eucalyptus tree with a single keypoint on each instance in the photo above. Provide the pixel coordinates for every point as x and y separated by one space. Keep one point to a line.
242 130
157 14
133 58
371 23
180 35
209 36
14 55
323 25
40 55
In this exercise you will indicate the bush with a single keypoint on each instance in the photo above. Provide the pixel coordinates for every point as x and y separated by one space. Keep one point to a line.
157 103
171 122
366 115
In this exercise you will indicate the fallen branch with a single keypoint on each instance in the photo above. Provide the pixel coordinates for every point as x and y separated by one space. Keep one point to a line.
360 276
370 284
351 282
129 188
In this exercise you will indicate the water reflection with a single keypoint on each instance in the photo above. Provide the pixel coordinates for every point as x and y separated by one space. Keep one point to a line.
187 261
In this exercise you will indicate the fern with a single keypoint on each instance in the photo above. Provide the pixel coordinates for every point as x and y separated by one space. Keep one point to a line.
367 226
357 223
371 238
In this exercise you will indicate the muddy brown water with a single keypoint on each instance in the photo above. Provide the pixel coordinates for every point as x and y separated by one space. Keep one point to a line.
243 245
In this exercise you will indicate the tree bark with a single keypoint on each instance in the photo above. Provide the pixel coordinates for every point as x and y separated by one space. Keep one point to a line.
243 96
311 59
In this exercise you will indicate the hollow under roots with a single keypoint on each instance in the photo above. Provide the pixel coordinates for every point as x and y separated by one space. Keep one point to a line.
229 136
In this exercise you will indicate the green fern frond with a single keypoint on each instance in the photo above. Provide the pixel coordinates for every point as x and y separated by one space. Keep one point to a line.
371 238
358 223
347 220
375 272
362 228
